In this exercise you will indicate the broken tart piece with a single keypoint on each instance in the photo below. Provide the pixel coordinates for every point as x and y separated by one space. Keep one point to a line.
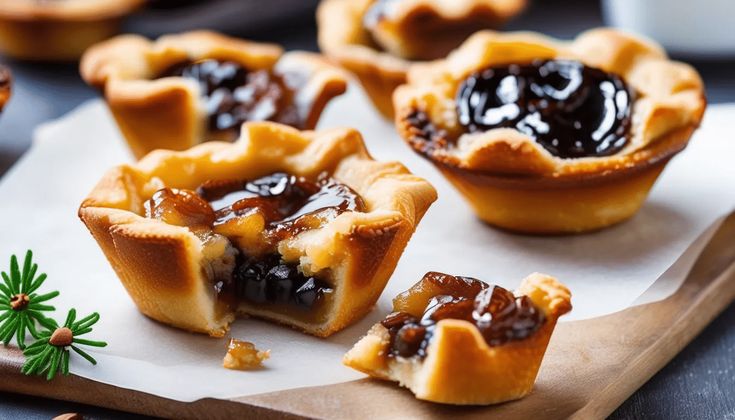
378 39
544 136
458 340
183 89
59 30
302 228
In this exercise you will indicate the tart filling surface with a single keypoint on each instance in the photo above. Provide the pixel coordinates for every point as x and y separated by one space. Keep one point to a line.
459 340
202 86
302 228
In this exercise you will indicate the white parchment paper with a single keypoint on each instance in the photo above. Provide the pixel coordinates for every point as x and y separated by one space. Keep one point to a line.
606 271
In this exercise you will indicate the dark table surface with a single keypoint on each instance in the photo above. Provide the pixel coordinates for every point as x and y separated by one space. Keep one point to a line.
698 384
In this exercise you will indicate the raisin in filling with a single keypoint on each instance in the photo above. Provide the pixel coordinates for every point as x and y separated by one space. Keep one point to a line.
288 204
269 280
571 109
234 94
499 315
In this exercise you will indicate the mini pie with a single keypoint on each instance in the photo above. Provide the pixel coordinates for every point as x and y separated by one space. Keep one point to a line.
303 228
378 39
543 136
458 340
6 82
183 89
59 30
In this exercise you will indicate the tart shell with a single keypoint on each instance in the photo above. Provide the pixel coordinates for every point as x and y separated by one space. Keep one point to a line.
55 31
460 367
164 269
513 182
167 113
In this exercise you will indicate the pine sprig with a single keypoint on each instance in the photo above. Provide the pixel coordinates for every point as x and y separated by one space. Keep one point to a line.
50 354
21 307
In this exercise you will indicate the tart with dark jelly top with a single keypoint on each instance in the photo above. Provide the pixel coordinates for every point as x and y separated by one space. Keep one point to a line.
59 30
181 90
378 39
459 340
302 228
543 136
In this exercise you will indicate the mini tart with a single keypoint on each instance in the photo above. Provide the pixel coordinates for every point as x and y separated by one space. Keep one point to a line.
511 180
401 31
175 274
6 82
59 30
435 345
156 108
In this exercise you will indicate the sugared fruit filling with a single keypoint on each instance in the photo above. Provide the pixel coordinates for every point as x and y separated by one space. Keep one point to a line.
234 94
286 205
499 315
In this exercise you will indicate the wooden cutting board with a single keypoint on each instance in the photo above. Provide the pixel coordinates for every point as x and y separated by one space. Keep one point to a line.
590 368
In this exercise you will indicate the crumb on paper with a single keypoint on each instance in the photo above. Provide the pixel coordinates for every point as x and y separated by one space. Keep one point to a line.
242 355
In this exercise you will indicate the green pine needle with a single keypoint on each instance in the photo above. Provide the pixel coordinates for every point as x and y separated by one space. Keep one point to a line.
21 307
50 354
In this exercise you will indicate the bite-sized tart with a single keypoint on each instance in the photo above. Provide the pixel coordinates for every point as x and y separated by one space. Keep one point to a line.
303 228
6 82
544 136
59 30
378 39
183 89
459 340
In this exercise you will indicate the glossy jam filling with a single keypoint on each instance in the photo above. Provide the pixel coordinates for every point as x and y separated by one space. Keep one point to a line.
288 205
270 281
234 94
498 314
571 109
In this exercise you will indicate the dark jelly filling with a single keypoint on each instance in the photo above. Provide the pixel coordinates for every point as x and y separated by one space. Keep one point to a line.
269 280
571 109
234 94
499 315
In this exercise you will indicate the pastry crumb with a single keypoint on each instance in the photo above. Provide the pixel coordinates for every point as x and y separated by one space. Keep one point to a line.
242 355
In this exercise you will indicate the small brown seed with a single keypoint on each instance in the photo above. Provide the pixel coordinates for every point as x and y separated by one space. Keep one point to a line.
62 337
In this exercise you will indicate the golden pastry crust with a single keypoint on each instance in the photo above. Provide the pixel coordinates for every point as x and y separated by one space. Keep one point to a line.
460 367
166 268
59 30
6 82
502 171
168 113
380 58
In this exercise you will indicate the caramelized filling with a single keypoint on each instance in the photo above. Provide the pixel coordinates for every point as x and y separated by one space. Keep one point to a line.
499 316
234 94
288 204
570 109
